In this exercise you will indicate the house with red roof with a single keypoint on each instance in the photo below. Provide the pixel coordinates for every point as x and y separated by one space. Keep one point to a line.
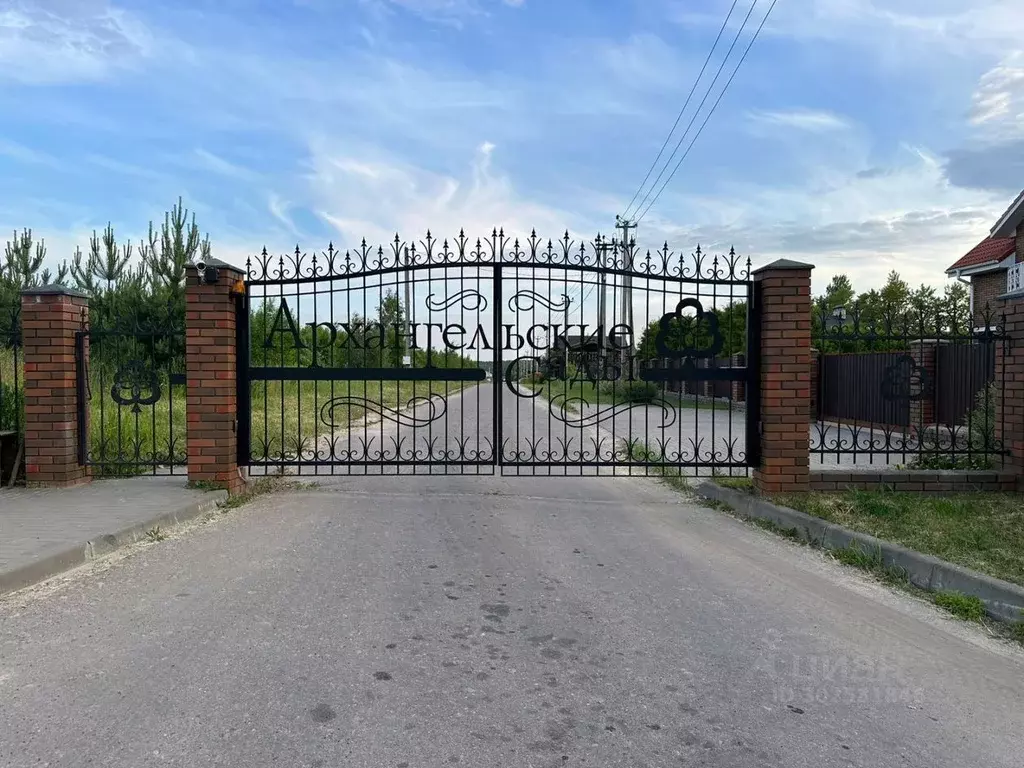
994 266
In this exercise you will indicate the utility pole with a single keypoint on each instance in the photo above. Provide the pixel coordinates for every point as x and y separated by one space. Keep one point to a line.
602 289
626 313
407 310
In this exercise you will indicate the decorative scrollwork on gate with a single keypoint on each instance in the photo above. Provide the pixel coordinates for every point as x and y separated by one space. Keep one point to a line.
471 301
497 248
675 327
407 417
904 379
526 300
569 411
136 385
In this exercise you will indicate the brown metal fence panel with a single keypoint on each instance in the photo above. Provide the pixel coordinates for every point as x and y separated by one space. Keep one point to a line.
961 370
850 390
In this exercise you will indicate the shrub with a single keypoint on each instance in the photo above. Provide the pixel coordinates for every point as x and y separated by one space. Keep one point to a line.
632 392
981 438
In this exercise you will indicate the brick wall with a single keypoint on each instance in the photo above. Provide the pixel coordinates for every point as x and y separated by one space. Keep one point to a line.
926 482
1010 373
50 318
738 388
922 410
212 365
784 296
987 290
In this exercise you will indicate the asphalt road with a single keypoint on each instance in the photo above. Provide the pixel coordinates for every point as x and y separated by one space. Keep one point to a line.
488 621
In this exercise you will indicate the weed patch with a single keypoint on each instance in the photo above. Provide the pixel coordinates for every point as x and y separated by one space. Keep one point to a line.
745 484
793 534
981 531
966 607
204 485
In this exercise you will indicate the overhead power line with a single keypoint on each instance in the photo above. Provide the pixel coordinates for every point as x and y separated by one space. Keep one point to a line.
683 110
712 111
700 106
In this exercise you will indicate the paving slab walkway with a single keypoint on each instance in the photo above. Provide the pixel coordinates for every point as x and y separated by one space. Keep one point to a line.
51 525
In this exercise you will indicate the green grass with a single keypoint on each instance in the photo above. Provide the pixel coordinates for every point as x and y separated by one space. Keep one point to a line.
155 436
9 397
966 607
1017 631
635 450
261 487
981 531
858 558
204 485
793 534
691 402
745 484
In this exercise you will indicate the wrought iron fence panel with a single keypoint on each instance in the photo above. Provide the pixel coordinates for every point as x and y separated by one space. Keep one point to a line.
132 398
915 389
12 371
12 390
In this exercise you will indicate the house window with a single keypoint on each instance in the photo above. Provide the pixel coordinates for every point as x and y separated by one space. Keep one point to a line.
1015 278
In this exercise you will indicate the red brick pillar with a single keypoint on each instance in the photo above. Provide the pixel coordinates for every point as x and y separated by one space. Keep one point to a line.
739 388
1010 377
212 369
50 317
924 353
784 297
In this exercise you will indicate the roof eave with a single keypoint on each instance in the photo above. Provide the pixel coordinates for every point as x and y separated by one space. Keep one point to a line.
986 266
1010 220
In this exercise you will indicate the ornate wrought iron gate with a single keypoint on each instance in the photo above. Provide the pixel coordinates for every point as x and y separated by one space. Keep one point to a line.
460 356
131 384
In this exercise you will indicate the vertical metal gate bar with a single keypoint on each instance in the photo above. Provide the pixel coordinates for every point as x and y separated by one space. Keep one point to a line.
498 378
244 393
80 395
753 431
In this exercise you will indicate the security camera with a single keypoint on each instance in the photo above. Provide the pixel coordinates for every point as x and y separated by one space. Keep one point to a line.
207 274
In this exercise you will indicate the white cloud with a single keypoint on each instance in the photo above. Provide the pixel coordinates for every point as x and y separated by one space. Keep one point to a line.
998 101
452 12
815 121
993 156
377 197
907 217
128 169
61 41
23 154
904 30
279 208
211 162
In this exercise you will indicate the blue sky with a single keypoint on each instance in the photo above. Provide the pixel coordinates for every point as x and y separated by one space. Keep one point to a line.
859 136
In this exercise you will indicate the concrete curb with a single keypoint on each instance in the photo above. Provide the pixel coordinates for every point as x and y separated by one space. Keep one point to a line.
104 544
1003 601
